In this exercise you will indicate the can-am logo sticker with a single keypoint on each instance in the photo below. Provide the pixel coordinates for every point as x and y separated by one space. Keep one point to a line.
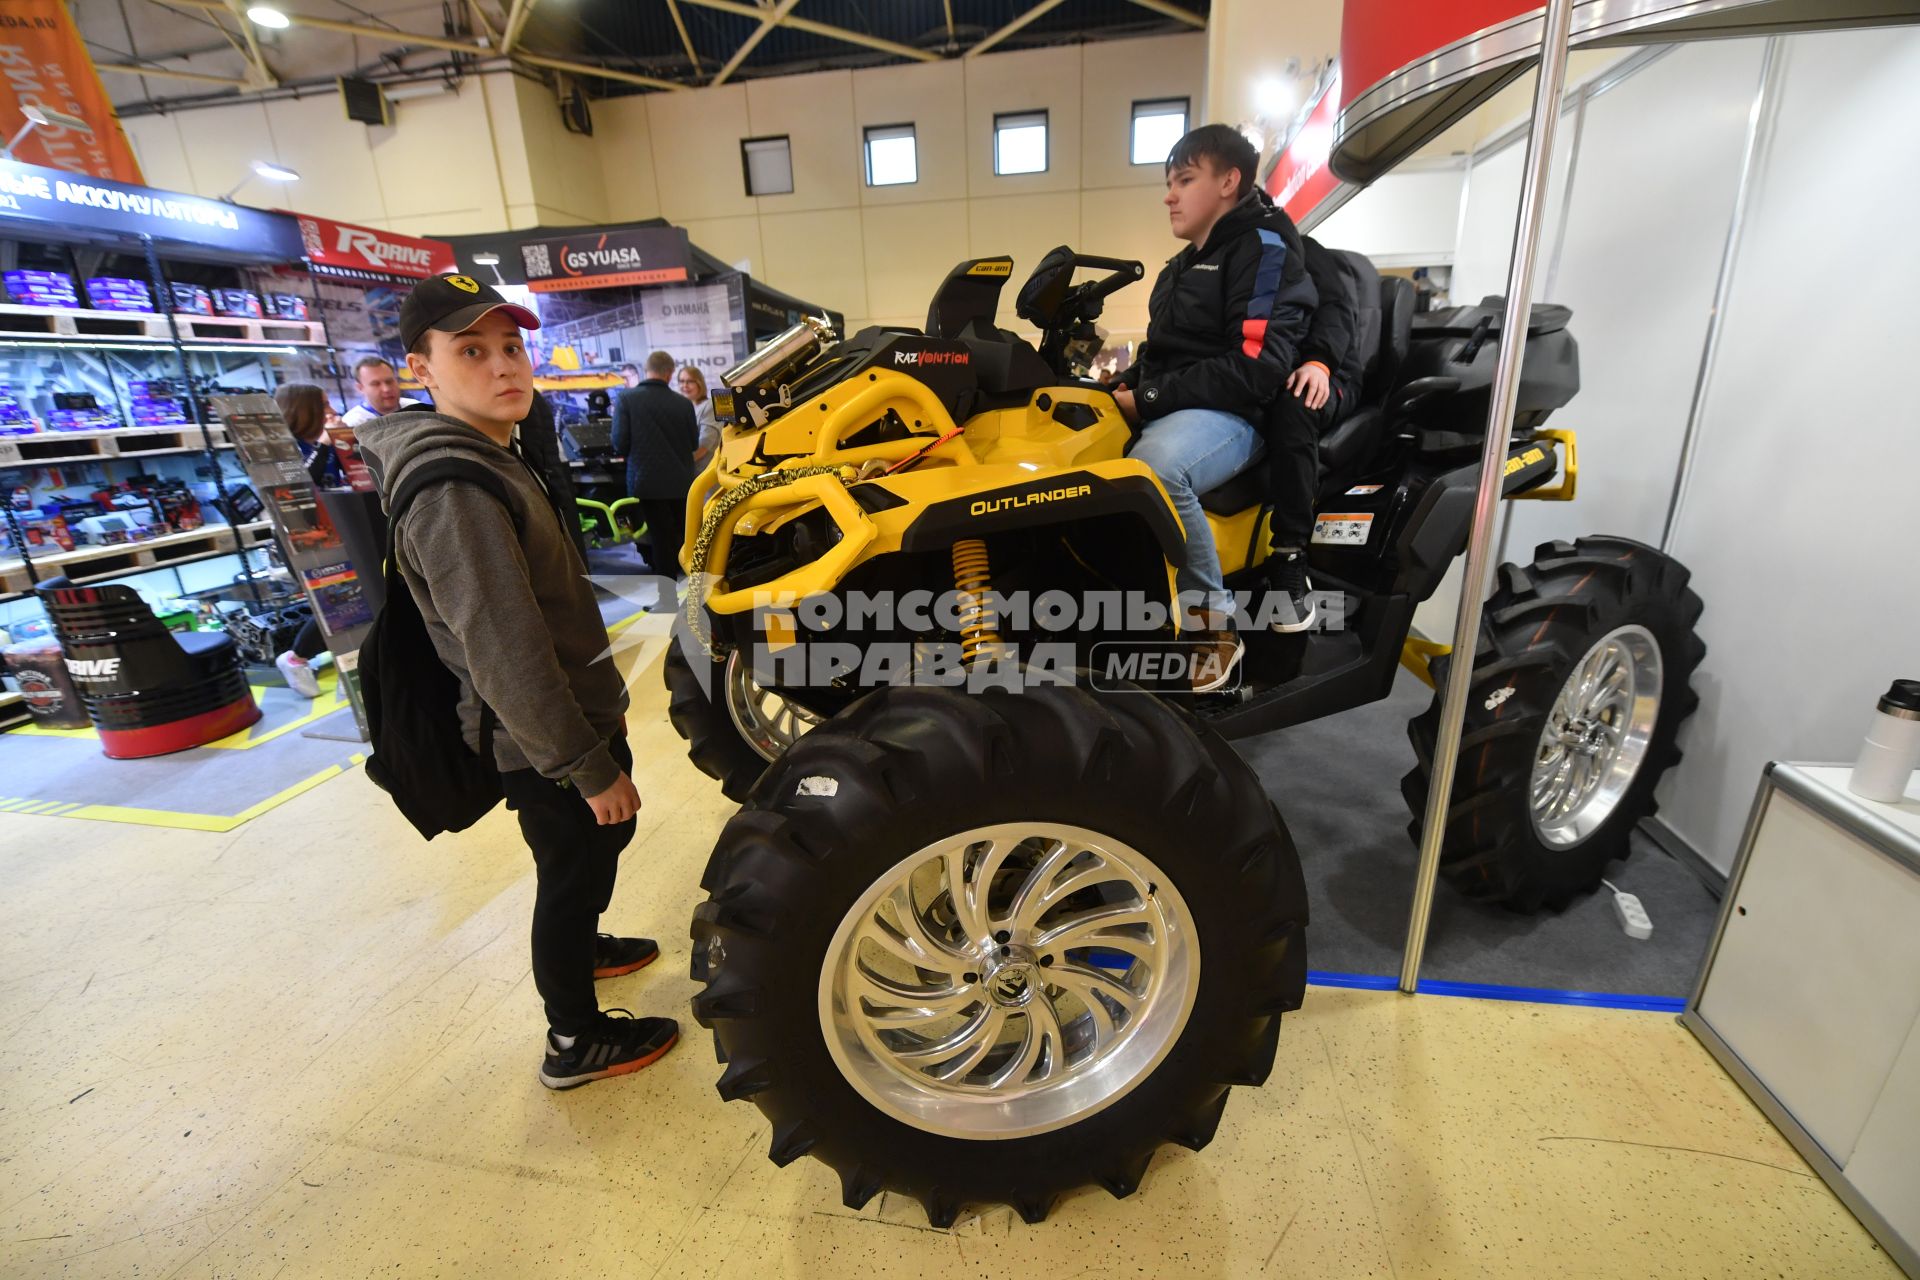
925 358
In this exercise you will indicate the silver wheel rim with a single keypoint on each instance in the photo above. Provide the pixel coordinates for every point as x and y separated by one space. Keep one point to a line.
1009 980
767 721
1596 736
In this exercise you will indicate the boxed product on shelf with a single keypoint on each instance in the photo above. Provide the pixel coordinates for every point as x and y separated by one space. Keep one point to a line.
286 306
192 299
41 288
79 411
14 418
118 293
237 302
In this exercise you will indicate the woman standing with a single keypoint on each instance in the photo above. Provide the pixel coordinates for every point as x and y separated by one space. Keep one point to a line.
693 385
310 417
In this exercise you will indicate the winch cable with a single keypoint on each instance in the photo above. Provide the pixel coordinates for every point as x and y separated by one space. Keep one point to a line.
701 569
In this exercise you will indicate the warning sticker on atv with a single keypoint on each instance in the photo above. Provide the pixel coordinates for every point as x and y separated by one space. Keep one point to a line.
1361 490
1345 529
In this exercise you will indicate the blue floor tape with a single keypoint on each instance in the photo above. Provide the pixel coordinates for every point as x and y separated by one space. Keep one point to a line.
1490 991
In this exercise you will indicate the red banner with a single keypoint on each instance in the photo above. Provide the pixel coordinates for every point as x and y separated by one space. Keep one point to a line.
1300 178
1378 37
43 64
341 244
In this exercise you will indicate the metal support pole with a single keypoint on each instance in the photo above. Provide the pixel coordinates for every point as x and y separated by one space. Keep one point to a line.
1506 389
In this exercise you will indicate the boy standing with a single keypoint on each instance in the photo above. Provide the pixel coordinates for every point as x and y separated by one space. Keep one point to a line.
505 598
1224 327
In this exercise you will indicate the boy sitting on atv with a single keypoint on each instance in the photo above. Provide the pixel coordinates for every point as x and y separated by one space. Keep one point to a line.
1224 328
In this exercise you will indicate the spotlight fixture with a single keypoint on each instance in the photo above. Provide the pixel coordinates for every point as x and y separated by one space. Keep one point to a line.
486 259
262 169
44 117
267 16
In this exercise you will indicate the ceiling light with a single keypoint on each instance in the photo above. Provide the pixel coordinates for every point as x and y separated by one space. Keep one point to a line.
1275 98
42 117
487 259
275 172
267 16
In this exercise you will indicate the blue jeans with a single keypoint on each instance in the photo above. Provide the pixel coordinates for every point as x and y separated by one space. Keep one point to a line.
1192 451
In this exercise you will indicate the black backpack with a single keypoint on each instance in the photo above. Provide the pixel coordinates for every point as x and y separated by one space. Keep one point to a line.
419 756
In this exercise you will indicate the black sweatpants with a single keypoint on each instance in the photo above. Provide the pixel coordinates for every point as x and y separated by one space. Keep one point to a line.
666 531
575 859
1293 464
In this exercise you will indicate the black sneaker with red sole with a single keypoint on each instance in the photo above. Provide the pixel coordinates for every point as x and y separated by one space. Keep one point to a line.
614 956
618 1046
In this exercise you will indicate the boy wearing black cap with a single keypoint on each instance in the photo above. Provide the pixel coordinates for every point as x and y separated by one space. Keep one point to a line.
505 598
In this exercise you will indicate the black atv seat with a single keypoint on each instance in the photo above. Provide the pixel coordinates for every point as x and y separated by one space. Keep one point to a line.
1390 329
1354 439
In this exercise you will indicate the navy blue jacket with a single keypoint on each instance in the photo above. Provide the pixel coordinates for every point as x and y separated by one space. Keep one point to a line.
655 429
1227 318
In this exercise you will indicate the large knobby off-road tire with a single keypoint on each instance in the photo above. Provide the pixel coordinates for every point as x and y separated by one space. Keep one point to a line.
1580 685
982 949
733 727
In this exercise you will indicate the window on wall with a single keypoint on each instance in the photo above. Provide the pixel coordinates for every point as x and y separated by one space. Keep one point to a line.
1020 142
892 158
768 165
1157 125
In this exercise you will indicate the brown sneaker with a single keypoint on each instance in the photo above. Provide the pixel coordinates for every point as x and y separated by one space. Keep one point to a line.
1217 653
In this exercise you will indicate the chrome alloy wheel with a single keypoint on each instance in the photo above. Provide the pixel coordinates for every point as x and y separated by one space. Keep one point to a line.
1596 736
767 721
1009 980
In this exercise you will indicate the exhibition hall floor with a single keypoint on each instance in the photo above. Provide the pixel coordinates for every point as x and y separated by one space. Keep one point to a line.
307 1047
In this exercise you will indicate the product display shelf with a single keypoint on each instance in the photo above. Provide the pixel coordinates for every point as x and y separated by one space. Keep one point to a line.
85 565
84 325
52 448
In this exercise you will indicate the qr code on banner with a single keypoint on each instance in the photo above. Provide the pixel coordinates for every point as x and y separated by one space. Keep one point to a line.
534 256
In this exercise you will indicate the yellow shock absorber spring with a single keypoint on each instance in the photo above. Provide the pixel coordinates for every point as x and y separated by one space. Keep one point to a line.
972 579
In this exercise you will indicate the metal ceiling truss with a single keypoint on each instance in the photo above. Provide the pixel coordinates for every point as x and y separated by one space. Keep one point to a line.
769 13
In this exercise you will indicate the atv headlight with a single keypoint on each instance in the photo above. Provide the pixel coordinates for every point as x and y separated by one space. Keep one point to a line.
759 558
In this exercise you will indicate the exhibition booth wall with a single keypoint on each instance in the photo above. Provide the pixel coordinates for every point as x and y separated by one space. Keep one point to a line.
1706 295
874 253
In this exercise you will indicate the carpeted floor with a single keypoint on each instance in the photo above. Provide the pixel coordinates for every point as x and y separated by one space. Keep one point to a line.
1337 782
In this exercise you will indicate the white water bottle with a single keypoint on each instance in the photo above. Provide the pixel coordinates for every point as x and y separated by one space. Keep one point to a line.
1892 750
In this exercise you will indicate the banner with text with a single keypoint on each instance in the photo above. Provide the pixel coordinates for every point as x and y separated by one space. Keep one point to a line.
343 245
602 259
56 197
46 65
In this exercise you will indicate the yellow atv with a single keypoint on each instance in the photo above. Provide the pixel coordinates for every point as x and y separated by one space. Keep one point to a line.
1003 911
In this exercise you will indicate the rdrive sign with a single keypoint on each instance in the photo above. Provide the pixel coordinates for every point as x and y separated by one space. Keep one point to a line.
602 259
72 200
341 244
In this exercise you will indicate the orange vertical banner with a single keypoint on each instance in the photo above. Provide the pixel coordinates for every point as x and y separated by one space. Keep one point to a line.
44 64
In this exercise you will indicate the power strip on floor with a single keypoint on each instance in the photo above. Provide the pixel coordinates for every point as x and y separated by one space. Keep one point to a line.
1632 916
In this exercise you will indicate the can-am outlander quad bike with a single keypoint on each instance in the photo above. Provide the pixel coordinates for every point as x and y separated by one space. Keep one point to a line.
991 946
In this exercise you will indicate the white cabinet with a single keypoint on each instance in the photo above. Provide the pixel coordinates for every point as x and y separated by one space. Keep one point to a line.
1811 992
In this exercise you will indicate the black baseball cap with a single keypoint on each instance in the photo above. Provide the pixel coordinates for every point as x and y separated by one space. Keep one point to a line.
453 303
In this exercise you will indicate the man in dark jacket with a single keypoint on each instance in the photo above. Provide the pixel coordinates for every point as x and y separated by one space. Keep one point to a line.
655 428
504 595
1224 327
1319 392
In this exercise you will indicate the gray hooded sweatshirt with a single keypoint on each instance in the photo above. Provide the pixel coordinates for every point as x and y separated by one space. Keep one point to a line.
510 611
